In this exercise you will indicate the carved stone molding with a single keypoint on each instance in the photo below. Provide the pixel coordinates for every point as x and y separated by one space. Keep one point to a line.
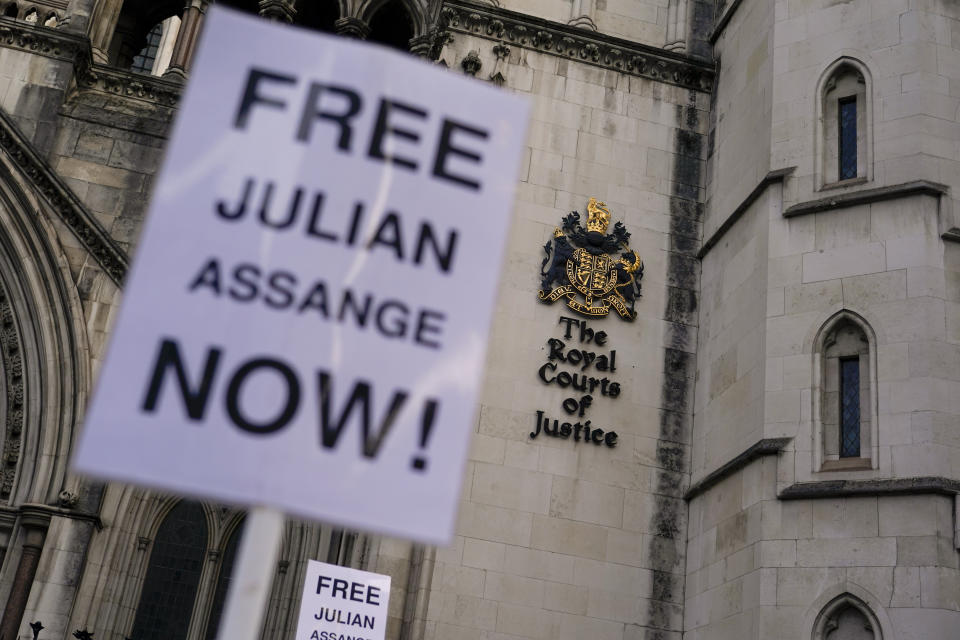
352 28
136 86
11 355
471 63
112 259
43 41
279 10
574 43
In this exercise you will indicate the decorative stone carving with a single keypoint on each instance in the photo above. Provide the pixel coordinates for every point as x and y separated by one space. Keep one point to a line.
502 52
422 46
570 42
352 28
10 353
67 499
471 64
46 42
137 86
279 10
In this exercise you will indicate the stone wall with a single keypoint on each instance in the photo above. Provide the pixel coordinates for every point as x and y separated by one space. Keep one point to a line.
557 538
760 567
776 529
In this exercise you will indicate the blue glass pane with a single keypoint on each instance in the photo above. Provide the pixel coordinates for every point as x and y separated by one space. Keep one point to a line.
173 575
850 408
848 138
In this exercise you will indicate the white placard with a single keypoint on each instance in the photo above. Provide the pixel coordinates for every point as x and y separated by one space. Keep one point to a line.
340 603
305 323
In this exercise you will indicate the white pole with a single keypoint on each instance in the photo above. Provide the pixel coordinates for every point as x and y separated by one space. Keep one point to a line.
253 575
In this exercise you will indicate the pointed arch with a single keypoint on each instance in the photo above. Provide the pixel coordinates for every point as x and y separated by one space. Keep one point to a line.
844 102
845 419
45 313
823 613
172 580
416 11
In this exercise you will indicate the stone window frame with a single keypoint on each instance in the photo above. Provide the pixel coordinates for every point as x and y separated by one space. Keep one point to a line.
823 433
219 535
845 78
828 614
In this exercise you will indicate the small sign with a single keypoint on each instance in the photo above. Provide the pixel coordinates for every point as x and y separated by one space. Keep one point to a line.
305 324
340 603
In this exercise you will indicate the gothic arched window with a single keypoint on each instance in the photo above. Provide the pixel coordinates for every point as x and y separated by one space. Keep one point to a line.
392 25
845 395
144 60
844 125
173 575
319 16
144 35
847 618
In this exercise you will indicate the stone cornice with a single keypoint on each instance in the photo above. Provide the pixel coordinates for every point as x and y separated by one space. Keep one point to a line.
43 41
889 487
42 513
70 47
777 175
765 447
134 86
63 201
537 34
867 196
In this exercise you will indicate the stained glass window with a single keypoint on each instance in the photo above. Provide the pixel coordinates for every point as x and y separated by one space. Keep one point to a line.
143 61
850 408
848 137
173 575
223 582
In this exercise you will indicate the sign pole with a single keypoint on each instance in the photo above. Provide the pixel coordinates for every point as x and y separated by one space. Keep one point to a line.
253 575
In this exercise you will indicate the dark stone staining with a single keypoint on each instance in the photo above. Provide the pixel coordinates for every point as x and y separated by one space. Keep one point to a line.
659 634
678 363
672 484
673 427
679 395
689 143
666 616
684 271
686 209
685 235
701 26
667 544
681 308
36 114
671 456
664 588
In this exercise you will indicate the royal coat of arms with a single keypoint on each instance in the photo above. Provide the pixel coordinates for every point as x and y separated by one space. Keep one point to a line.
584 266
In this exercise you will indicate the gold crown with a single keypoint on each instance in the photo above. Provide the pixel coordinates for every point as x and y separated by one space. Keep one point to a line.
599 217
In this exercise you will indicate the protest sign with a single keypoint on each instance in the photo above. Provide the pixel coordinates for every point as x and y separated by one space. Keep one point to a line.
305 323
340 603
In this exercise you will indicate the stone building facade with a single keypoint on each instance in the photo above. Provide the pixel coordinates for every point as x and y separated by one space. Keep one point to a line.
787 461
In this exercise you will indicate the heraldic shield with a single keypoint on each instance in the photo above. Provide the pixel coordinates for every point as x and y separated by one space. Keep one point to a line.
582 266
